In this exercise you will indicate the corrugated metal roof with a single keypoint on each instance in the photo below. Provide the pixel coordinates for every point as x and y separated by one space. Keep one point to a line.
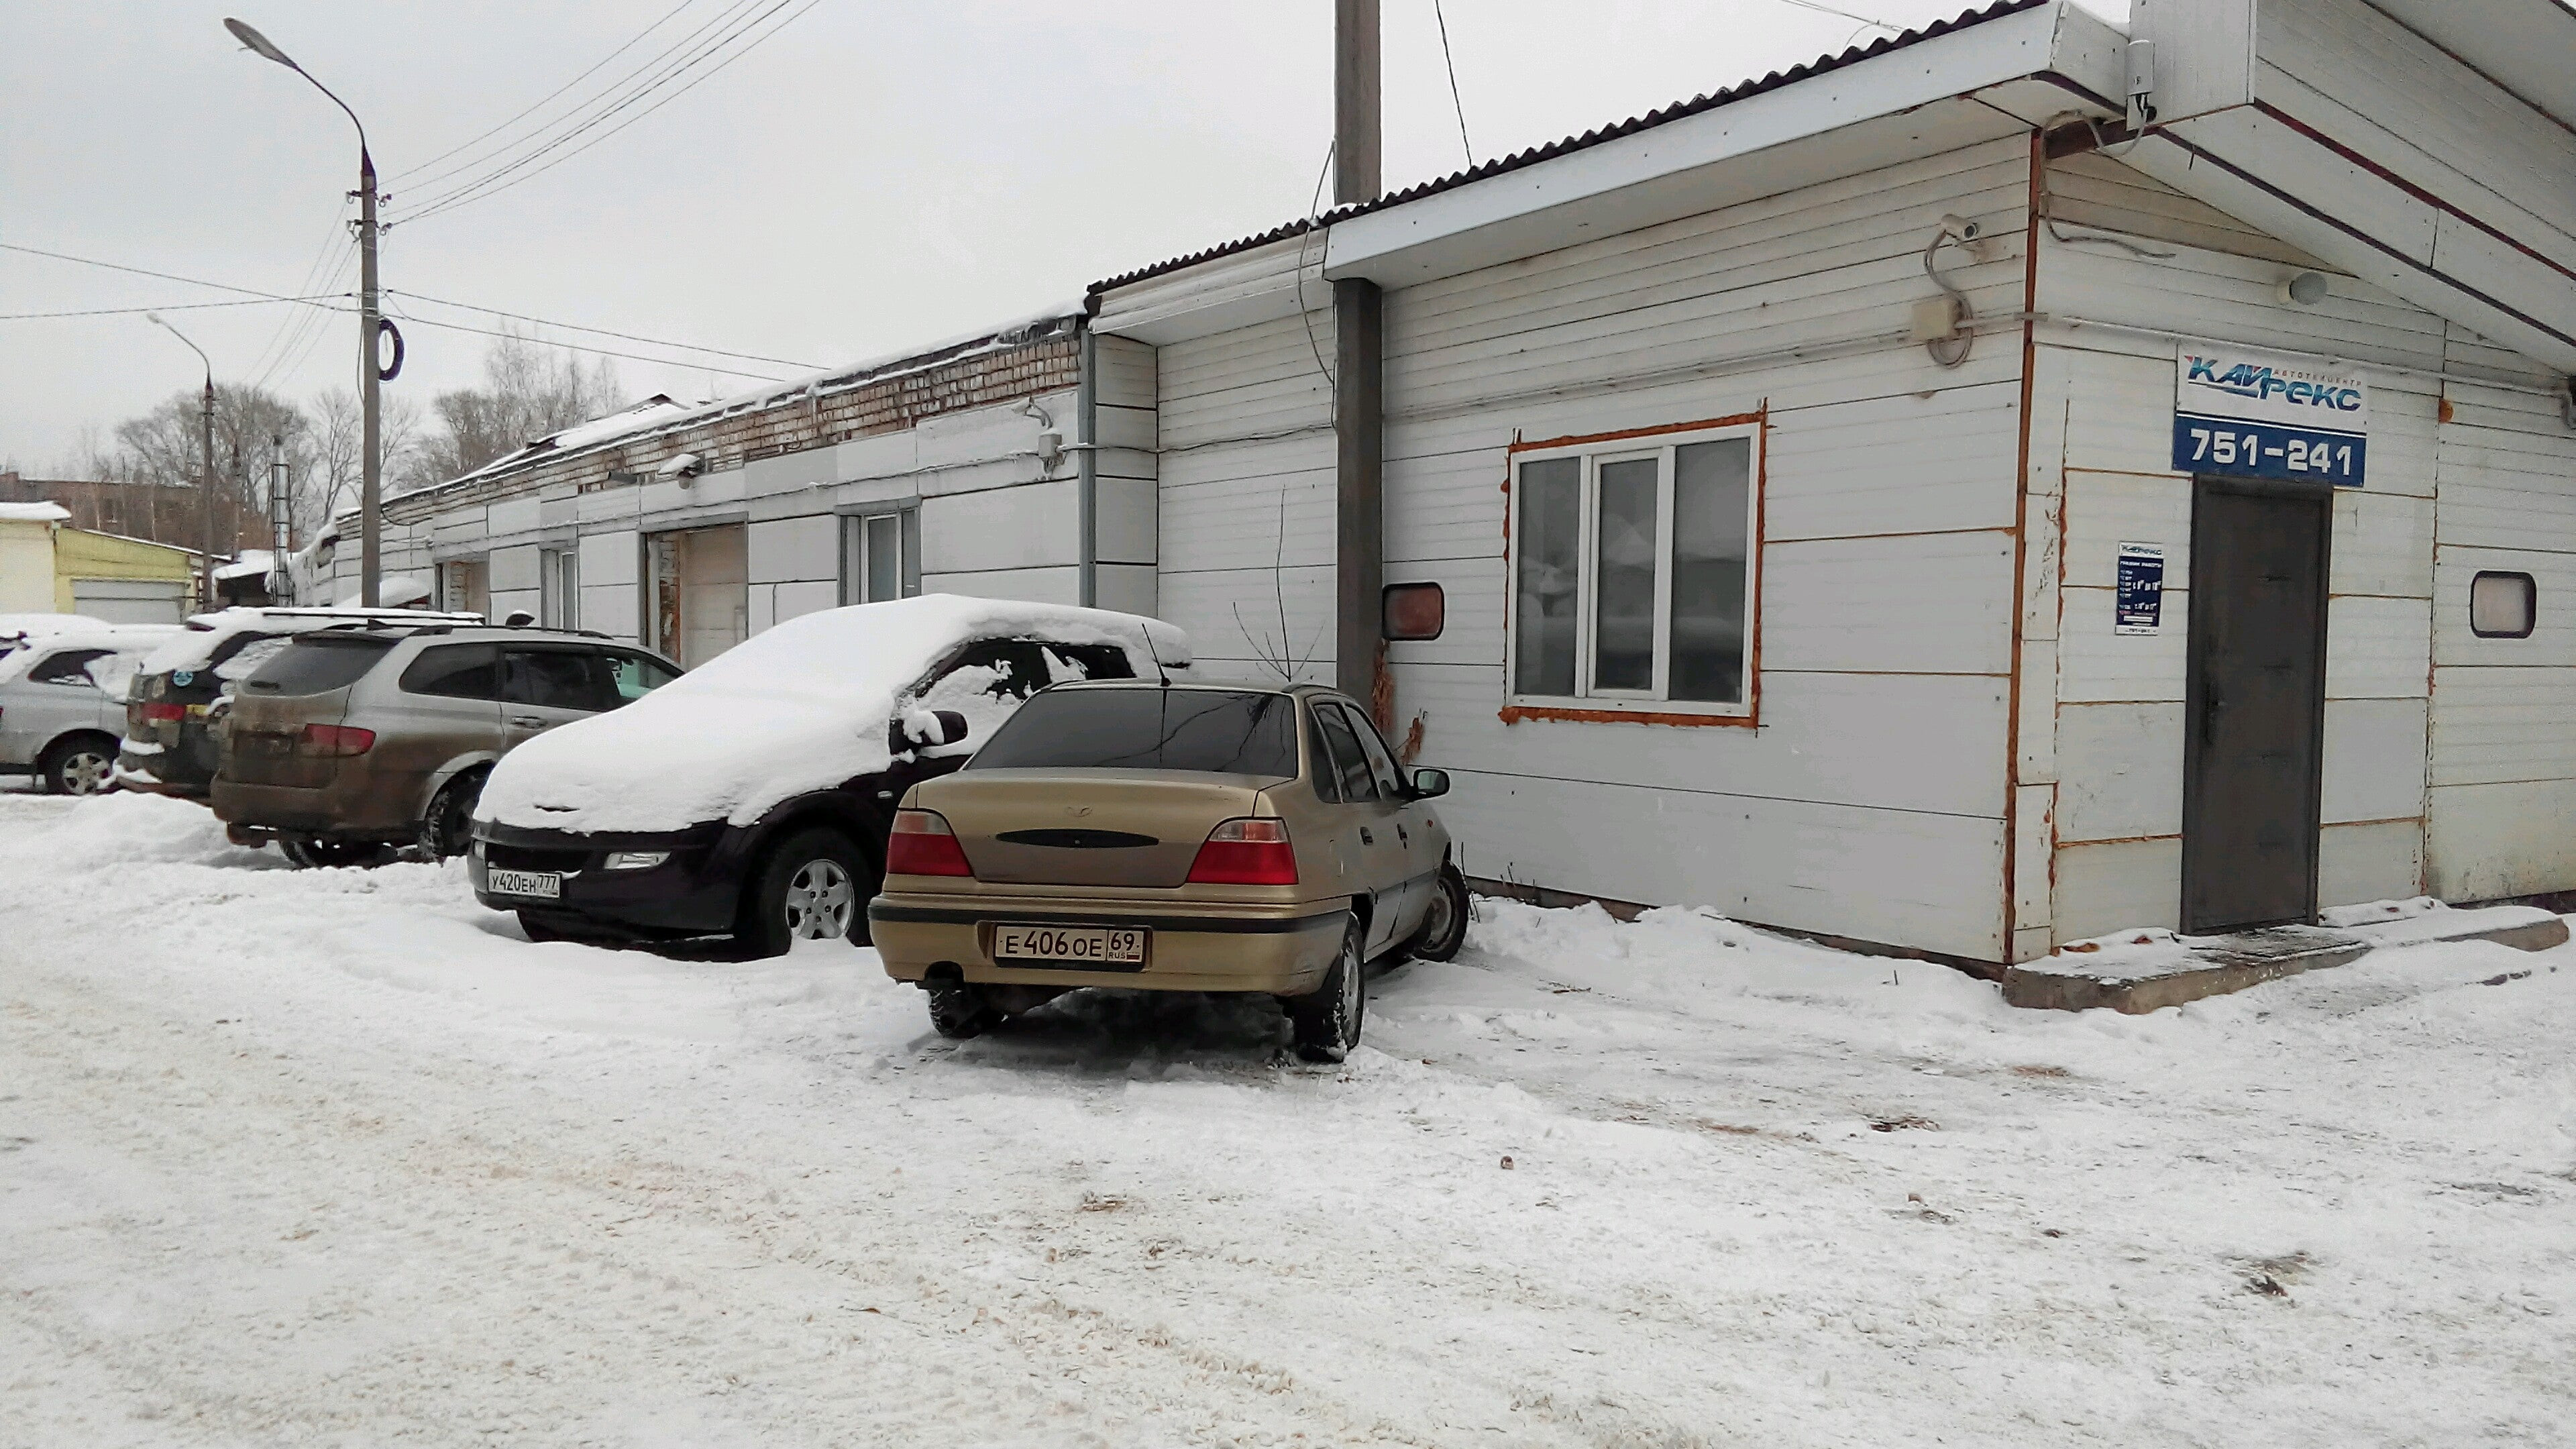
1629 127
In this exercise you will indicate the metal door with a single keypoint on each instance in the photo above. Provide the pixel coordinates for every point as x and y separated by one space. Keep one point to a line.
2254 712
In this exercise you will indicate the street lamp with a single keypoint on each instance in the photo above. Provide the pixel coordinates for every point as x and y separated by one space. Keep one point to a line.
370 520
206 462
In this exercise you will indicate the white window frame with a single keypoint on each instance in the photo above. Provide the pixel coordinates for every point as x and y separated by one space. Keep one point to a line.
854 553
559 587
1594 452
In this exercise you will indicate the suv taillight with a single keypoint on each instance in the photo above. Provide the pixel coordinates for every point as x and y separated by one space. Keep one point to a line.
158 711
1246 852
922 844
337 740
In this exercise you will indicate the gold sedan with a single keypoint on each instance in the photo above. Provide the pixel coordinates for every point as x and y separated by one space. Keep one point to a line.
1170 837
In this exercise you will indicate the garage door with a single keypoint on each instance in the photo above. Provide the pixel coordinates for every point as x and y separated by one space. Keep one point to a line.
131 601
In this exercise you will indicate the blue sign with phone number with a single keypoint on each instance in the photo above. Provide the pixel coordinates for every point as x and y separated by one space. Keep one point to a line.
2236 447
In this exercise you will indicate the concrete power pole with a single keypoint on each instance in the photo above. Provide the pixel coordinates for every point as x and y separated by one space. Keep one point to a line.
370 459
1359 420
206 461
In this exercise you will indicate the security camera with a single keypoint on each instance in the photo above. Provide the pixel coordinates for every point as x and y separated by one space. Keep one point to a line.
2306 289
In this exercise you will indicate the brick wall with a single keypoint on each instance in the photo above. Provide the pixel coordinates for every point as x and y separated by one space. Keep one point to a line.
841 411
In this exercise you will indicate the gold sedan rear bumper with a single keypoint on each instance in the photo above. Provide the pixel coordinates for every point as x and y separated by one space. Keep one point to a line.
1284 949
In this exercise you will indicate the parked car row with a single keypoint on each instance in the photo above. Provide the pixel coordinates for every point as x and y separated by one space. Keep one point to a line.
1011 800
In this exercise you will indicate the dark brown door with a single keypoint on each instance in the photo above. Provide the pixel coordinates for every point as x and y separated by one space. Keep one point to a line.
2254 752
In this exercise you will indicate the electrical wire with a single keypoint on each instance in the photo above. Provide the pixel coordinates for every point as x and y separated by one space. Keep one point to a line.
1454 98
541 101
1846 15
280 341
651 70
165 307
603 331
494 184
324 306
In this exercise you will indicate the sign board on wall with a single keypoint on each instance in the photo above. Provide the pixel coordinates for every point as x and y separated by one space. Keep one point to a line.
2245 414
2138 604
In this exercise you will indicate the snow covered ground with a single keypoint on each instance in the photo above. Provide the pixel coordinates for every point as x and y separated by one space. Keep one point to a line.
336 1157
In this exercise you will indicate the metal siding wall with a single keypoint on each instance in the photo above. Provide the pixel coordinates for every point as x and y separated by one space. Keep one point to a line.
2503 814
1870 803
2119 718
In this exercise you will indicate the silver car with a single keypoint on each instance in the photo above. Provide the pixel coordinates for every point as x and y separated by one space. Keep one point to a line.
62 705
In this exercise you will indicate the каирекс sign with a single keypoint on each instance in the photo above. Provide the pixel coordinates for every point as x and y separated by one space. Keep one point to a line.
2245 414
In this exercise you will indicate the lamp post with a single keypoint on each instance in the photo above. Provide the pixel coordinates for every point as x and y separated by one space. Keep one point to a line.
370 463
205 460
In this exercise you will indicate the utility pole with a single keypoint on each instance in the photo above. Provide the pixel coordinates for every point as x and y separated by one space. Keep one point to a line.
370 373
205 460
1359 417
281 583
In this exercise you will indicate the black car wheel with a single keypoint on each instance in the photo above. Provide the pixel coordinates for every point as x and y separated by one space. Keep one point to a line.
1444 926
447 830
81 765
809 889
310 851
1325 1022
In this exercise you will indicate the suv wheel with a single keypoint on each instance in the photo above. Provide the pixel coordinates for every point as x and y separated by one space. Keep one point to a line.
81 765
1325 1022
447 830
310 851
808 890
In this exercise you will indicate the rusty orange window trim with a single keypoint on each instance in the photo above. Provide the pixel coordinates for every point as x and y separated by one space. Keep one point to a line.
1760 420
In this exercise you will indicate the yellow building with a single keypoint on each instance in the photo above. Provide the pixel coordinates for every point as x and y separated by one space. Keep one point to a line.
47 566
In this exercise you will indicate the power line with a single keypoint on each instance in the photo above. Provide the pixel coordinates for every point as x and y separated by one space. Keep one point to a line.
605 332
611 91
541 101
1454 98
1846 14
493 182
322 305
165 307
277 345
488 186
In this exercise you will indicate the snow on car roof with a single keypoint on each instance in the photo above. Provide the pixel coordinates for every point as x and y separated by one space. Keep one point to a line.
207 633
799 707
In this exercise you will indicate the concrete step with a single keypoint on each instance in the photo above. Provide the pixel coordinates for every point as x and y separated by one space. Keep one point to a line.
2142 971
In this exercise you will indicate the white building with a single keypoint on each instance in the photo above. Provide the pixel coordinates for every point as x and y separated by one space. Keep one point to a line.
1838 485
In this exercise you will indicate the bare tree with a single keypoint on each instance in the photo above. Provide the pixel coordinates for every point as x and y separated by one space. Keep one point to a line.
338 440
252 429
528 391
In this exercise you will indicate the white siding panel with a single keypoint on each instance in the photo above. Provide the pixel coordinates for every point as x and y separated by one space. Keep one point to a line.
2121 769
787 549
2489 841
1038 585
2378 648
1128 588
2118 886
2495 726
2374 766
2507 490
2357 864
1906 464
1126 518
512 570
1924 881
610 558
1924 743
2383 544
2097 666
514 515
805 598
1002 528
1939 603
2106 510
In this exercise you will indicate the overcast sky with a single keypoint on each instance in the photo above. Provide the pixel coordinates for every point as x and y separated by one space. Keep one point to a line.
878 176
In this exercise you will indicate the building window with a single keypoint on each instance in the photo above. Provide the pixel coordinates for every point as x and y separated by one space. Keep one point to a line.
1633 572
559 587
464 587
880 556
2503 606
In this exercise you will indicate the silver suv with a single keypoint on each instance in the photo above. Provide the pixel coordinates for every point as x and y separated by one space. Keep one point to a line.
62 704
370 735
